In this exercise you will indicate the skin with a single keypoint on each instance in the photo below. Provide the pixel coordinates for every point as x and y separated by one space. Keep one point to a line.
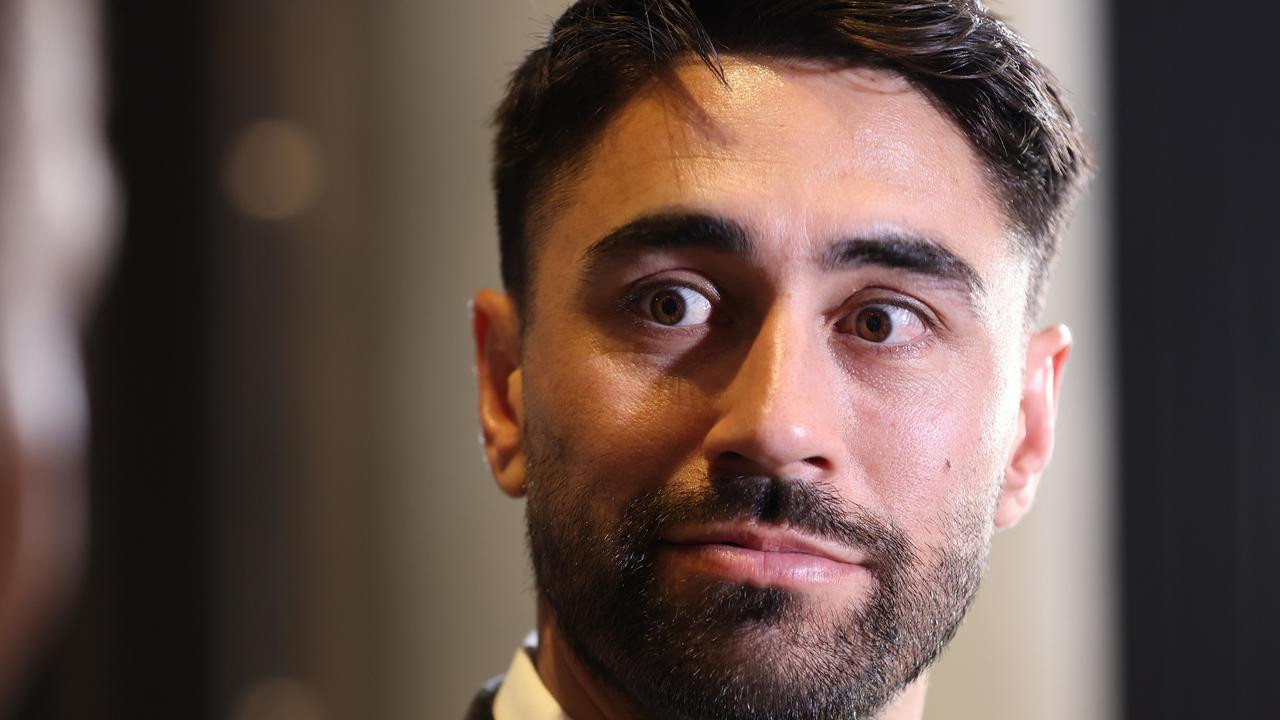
952 415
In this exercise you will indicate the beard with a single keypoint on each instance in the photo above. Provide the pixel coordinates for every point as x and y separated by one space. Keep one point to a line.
719 649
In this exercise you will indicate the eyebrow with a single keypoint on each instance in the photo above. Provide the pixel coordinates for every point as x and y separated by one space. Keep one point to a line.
904 251
894 248
669 231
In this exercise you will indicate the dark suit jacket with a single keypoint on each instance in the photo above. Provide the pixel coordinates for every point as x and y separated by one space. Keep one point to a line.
482 706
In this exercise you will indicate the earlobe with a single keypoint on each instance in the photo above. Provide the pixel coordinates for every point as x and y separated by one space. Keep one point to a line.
1047 353
495 326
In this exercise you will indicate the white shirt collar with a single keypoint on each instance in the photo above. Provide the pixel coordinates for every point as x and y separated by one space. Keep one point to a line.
522 695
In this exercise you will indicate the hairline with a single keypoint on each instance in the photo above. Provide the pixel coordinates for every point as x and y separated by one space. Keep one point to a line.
551 185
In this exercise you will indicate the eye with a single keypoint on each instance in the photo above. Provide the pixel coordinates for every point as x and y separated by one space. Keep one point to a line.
888 324
676 306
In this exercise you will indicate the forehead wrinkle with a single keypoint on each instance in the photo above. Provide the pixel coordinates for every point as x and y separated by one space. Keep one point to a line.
681 108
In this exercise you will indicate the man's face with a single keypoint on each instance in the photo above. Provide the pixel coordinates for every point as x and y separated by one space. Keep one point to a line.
769 391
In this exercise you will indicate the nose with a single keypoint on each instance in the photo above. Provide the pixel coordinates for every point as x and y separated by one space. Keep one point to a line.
778 415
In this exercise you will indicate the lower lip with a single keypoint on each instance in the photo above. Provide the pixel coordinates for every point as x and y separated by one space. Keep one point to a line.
762 567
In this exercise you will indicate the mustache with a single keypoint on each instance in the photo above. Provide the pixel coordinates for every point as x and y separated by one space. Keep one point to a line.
806 506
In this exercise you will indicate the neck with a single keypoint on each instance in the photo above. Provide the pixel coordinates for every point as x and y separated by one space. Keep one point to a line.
582 697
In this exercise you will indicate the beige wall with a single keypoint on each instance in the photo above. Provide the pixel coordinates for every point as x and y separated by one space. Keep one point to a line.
461 587
1038 643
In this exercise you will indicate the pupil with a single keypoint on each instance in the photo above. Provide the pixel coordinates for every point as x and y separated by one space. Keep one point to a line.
669 308
874 325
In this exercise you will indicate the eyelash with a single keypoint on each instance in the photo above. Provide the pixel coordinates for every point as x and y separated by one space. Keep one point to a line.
916 309
931 322
630 301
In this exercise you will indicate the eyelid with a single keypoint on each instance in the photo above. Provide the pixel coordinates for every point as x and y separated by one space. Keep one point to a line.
888 296
883 297
650 284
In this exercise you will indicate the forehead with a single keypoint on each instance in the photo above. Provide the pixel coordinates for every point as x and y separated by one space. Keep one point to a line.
797 153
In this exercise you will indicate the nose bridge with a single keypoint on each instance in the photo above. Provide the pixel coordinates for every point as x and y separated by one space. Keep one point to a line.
771 375
776 414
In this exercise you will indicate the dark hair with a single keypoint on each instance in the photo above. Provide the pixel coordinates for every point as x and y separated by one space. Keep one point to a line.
601 52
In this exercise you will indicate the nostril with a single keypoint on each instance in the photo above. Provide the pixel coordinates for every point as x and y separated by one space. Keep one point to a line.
819 462
741 464
734 463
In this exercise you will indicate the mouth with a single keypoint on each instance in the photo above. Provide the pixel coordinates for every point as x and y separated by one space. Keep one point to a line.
766 555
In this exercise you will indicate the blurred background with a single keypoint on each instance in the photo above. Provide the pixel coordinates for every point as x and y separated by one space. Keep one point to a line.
290 516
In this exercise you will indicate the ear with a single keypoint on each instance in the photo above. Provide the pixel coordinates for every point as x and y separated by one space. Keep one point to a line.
1047 352
497 334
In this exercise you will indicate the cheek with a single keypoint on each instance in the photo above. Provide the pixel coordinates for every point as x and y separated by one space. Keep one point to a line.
929 447
626 425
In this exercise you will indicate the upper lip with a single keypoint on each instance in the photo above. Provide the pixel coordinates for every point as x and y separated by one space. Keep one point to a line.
766 538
